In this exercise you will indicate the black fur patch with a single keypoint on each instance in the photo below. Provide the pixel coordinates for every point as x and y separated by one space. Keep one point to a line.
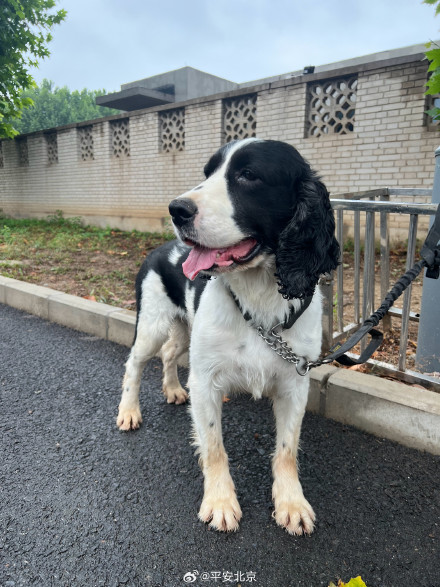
172 276
217 159
279 200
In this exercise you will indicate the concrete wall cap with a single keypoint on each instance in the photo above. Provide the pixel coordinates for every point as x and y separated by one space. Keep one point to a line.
124 315
82 303
392 391
322 373
39 290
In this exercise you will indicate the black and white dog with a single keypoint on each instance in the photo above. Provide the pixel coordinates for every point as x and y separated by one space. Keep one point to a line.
262 227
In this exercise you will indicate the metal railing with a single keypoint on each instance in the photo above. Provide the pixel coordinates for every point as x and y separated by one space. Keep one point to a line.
372 203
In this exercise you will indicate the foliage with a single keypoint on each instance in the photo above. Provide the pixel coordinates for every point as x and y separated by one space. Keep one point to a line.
54 106
357 582
433 2
433 55
24 35
24 234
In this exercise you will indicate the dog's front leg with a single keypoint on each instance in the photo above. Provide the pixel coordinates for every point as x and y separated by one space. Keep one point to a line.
292 510
219 506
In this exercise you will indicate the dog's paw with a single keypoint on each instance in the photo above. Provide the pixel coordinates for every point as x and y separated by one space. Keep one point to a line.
222 514
175 395
296 516
129 418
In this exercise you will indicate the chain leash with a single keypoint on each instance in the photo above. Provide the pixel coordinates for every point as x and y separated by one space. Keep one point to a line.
274 341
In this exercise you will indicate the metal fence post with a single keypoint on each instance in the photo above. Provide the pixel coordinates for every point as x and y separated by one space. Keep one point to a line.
326 284
428 341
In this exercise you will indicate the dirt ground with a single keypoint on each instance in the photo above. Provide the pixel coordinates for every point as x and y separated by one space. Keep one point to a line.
105 274
105 271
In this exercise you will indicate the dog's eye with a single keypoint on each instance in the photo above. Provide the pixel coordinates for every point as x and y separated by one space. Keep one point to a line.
247 175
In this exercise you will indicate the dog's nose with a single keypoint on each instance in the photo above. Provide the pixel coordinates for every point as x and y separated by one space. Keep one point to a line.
182 210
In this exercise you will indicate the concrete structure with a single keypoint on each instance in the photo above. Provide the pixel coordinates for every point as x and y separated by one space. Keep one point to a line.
166 88
361 123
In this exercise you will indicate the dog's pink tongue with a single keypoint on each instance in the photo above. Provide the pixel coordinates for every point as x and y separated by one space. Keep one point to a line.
200 258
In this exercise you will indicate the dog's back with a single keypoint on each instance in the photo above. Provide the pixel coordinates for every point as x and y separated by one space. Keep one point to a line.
165 262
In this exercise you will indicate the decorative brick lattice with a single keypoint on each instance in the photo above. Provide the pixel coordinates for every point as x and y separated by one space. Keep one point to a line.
2 163
85 134
23 153
52 148
240 118
172 130
331 106
120 137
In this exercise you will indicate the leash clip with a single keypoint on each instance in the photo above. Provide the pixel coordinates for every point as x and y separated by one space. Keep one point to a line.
303 366
273 339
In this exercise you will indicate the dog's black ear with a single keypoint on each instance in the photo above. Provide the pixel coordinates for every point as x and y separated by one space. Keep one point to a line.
307 247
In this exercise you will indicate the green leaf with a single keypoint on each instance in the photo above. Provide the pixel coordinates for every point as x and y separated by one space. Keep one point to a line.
433 55
433 84
24 35
434 113
357 582
432 2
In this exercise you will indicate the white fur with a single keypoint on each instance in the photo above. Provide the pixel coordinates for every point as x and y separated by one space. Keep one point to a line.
175 255
227 355
214 224
158 330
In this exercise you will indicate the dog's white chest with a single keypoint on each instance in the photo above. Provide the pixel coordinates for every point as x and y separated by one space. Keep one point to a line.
235 359
253 368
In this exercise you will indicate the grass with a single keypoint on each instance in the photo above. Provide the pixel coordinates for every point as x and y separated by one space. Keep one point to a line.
61 234
83 260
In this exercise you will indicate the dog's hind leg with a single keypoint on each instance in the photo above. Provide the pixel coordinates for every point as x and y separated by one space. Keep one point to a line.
175 347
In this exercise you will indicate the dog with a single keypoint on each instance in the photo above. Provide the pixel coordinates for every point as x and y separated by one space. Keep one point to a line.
260 230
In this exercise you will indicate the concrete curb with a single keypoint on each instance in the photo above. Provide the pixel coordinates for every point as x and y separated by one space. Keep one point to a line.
102 320
389 409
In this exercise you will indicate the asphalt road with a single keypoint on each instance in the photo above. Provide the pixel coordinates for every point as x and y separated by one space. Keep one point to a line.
83 504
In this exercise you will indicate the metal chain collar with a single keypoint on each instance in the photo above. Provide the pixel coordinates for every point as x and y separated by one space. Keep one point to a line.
273 339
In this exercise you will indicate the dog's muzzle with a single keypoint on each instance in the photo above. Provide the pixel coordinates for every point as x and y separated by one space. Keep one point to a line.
183 211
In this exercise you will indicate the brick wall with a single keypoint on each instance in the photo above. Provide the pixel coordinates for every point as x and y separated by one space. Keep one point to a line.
390 145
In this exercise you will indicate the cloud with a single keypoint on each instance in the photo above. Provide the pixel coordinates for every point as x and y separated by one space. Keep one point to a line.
103 44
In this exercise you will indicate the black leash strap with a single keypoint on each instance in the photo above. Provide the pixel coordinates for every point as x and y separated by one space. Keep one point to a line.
339 350
430 251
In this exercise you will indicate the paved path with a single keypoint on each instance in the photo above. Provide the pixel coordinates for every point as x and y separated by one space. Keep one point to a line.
83 504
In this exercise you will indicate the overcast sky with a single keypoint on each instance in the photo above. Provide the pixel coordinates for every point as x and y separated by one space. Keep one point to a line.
105 43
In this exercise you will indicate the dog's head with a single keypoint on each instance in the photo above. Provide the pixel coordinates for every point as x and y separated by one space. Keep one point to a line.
258 198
